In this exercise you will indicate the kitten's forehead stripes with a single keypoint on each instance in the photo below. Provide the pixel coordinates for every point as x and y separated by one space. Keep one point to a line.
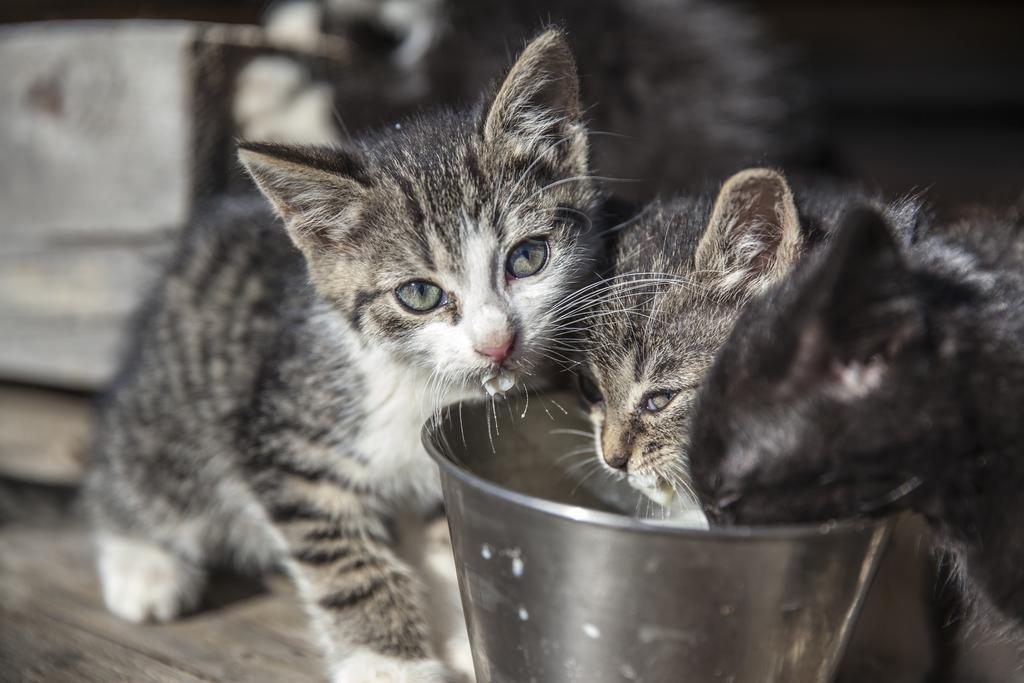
412 203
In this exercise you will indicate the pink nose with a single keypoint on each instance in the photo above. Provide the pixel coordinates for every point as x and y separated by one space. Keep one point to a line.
498 352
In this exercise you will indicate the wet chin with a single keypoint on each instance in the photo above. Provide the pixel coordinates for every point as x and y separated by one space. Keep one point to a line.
655 488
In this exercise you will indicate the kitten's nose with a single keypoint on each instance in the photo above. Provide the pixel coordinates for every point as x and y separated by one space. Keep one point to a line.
499 351
617 461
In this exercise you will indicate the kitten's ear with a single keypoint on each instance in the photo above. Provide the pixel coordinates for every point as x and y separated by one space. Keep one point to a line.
318 192
753 238
536 111
860 308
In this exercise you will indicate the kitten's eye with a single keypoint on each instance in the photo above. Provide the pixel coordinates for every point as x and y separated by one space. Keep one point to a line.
591 394
655 403
420 296
527 258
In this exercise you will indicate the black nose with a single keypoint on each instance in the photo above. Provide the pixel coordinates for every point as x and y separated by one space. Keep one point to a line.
722 508
617 461
727 498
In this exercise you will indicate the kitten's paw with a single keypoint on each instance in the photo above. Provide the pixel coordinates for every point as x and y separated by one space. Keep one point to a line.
364 666
143 582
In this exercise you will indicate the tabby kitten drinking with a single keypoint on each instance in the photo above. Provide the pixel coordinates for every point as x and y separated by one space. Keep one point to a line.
270 407
877 378
680 276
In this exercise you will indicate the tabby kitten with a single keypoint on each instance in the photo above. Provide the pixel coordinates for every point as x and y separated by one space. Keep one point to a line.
680 275
881 377
270 409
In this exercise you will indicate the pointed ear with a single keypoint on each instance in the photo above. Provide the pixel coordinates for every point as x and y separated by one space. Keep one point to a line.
753 238
537 108
871 305
859 308
319 192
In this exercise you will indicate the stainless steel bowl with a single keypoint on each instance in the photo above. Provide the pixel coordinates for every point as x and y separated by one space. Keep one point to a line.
559 586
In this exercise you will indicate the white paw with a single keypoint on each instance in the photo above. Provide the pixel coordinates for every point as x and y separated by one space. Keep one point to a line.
277 100
364 666
143 582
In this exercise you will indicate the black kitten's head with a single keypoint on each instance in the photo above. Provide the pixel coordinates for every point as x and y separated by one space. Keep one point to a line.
827 394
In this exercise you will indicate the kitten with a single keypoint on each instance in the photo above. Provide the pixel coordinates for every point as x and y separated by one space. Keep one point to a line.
882 377
680 90
269 411
680 276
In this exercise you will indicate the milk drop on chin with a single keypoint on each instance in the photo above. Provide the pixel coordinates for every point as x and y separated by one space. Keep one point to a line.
500 381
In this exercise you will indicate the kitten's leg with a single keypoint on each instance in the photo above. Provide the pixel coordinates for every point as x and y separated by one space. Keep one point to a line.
426 544
143 581
367 606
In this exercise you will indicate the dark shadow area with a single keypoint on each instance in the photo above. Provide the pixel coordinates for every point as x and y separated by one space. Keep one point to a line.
227 588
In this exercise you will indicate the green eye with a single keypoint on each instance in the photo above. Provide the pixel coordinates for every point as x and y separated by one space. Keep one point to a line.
420 296
655 403
527 258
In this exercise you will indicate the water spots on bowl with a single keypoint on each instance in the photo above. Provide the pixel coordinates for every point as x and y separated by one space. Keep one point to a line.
518 566
628 672
727 610
592 631
486 552
653 634
524 615
572 669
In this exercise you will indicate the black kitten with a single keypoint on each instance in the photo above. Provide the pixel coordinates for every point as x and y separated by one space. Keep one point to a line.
880 378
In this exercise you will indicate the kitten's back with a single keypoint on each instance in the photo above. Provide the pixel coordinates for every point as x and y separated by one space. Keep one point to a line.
199 343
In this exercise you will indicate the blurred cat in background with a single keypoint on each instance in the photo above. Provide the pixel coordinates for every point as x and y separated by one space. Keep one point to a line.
679 91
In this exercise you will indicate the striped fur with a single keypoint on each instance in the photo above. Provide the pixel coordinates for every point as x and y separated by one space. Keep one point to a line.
269 410
681 274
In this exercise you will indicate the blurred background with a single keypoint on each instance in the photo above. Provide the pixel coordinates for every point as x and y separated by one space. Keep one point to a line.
118 120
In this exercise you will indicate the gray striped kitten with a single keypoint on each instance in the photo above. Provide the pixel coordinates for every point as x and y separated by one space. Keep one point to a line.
269 411
680 276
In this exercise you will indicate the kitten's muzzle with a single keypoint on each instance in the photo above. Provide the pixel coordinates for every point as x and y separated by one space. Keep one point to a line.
617 459
727 499
722 510
499 350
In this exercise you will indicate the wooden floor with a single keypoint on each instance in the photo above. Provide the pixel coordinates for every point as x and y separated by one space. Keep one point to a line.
54 628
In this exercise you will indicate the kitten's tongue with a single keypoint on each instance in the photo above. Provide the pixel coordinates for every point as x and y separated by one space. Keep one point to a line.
499 382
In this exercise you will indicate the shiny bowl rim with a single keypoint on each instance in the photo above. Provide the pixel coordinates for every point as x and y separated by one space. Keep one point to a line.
621 522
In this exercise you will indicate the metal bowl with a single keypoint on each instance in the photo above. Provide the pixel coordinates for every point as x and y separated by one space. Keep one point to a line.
559 585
